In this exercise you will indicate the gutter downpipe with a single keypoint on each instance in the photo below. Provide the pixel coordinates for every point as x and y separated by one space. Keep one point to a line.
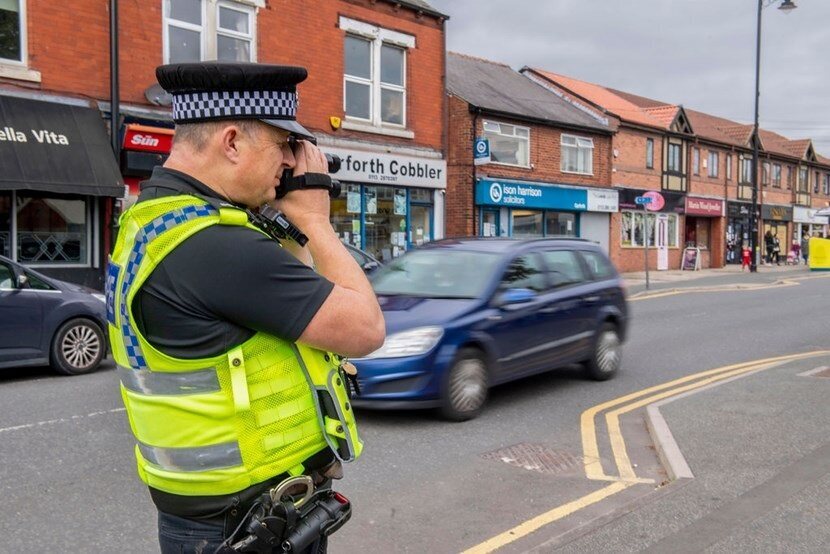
476 113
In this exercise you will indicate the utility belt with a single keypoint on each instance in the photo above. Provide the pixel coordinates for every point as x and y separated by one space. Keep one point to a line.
292 517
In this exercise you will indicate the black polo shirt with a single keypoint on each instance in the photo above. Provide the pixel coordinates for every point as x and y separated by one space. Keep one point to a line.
215 291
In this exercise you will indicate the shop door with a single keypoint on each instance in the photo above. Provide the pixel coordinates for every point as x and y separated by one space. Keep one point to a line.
662 242
420 224
490 223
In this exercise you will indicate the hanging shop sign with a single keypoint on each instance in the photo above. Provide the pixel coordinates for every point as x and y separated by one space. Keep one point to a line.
381 168
706 207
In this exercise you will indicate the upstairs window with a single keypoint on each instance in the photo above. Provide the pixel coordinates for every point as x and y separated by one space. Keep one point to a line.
198 30
713 163
374 74
729 167
509 144
776 176
789 177
577 155
746 170
674 158
803 180
696 161
816 182
12 31
765 174
827 184
650 153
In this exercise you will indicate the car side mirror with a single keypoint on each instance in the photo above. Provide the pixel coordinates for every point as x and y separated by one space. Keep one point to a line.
22 281
370 266
514 296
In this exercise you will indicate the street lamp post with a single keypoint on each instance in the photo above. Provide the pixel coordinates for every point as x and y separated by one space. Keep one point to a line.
786 6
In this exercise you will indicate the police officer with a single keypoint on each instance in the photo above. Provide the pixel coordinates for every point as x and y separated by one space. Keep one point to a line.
220 333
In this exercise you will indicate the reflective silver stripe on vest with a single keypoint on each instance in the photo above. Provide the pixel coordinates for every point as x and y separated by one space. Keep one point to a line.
201 458
145 381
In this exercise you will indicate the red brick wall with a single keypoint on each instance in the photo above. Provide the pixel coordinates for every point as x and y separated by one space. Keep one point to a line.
630 164
69 45
544 159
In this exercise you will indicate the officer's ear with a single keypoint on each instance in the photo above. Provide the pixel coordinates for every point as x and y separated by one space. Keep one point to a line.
231 141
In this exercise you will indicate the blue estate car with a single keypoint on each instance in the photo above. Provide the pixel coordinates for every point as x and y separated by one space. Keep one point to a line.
466 314
47 321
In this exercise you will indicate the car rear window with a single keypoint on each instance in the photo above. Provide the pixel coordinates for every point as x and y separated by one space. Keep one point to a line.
563 267
599 265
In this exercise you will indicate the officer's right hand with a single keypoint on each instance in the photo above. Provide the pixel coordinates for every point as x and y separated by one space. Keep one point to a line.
307 207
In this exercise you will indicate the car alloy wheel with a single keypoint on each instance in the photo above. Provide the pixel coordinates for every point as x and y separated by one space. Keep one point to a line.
78 347
466 386
606 356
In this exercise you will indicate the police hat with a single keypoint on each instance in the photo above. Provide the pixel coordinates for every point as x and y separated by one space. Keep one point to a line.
212 91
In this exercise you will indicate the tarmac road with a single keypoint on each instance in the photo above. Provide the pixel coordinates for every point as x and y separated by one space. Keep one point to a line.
423 485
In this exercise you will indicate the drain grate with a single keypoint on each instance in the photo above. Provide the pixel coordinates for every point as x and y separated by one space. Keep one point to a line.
823 371
536 457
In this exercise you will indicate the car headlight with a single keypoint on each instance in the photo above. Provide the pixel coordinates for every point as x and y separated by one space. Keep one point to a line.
100 297
409 343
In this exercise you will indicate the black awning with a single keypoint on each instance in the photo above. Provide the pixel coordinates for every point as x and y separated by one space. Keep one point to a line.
57 148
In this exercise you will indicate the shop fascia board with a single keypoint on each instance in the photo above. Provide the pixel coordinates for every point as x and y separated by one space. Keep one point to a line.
372 147
489 112
542 183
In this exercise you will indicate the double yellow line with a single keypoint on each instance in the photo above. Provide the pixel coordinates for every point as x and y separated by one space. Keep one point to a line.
625 476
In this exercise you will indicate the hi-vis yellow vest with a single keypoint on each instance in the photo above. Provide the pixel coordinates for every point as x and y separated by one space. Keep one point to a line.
216 425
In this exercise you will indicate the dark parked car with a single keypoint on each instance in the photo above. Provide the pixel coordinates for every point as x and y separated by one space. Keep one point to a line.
463 315
365 260
47 321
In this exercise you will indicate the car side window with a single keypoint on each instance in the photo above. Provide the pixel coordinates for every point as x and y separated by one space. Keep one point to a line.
524 272
37 283
563 268
599 265
6 277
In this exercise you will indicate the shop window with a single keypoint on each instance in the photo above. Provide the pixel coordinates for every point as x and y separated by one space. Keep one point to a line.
509 144
577 155
525 272
560 223
634 225
696 161
374 75
52 231
12 31
198 30
776 176
729 167
650 153
563 268
698 232
527 223
345 215
5 224
385 218
598 265
714 158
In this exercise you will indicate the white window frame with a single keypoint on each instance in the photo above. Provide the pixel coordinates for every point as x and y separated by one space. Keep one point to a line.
209 29
19 69
578 148
641 217
487 122
377 37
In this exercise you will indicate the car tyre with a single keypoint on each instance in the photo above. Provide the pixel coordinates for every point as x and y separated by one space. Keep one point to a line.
465 386
606 355
78 347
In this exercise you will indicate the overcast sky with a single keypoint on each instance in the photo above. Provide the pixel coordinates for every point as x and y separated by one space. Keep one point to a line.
699 53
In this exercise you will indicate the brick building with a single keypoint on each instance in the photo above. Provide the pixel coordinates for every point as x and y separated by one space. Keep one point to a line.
375 95
698 168
549 168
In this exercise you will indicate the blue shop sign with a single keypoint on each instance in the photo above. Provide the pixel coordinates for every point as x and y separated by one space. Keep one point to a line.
526 195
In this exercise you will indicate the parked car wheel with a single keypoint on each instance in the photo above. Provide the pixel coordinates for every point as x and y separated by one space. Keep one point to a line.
465 388
606 357
78 347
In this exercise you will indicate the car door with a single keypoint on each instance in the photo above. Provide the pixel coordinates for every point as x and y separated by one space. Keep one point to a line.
603 290
567 308
21 315
514 327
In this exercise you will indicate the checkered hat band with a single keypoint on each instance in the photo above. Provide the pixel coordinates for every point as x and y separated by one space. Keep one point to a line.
199 106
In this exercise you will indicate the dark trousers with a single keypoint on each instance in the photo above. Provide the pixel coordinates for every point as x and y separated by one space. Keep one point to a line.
179 535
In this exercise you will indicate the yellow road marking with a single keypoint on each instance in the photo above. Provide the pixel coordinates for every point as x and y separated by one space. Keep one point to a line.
627 478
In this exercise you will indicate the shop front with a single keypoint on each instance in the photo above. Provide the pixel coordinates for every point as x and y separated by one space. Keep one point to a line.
143 147
704 229
525 209
388 203
806 222
776 221
737 230
656 226
58 182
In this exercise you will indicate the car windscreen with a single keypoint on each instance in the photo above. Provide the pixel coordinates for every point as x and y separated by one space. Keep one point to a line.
437 273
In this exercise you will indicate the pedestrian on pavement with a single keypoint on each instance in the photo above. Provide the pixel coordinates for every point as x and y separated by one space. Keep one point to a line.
776 250
805 247
220 333
746 257
796 250
769 244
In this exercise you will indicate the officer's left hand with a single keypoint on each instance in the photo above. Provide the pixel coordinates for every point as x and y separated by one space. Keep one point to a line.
309 159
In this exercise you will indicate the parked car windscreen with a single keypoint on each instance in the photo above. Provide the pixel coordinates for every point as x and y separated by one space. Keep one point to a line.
437 273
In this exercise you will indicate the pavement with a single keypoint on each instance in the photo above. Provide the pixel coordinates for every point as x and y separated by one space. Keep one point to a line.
661 280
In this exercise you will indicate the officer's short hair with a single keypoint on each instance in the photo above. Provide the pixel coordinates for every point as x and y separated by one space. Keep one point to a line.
196 135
